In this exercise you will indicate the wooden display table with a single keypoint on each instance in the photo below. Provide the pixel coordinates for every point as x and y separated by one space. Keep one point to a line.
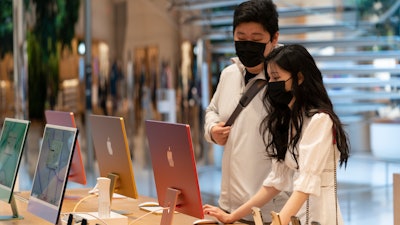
72 197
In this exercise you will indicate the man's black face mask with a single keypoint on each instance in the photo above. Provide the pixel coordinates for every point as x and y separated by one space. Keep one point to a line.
250 53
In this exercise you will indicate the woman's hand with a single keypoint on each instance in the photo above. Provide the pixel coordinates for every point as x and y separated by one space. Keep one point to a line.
218 213
220 134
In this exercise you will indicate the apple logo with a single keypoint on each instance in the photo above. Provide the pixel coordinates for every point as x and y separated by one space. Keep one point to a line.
170 157
109 147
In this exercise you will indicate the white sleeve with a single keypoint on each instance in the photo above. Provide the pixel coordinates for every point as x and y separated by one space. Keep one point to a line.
212 112
280 176
314 150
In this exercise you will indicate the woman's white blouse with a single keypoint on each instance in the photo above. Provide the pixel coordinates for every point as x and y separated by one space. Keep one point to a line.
315 171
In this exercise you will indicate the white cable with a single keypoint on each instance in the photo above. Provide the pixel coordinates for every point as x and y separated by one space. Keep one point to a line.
140 217
80 201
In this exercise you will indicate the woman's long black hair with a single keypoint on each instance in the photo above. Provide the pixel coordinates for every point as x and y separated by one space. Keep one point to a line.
311 97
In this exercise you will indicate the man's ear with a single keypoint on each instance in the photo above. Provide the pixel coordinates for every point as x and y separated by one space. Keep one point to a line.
274 39
300 78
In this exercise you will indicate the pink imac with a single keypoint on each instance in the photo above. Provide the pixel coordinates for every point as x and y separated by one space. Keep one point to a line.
77 173
174 169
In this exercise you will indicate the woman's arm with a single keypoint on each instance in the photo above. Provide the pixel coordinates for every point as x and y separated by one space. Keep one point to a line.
292 206
264 195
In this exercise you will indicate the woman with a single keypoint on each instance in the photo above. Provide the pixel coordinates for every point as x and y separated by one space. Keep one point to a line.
306 141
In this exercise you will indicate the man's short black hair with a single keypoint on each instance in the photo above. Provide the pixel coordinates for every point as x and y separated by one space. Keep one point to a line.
260 11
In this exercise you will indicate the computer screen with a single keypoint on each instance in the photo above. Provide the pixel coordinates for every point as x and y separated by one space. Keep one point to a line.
112 153
77 172
51 174
12 141
174 165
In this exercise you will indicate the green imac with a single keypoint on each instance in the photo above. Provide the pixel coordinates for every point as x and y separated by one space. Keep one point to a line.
12 141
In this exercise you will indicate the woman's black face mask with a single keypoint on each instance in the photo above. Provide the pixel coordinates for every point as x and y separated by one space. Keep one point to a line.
250 53
278 94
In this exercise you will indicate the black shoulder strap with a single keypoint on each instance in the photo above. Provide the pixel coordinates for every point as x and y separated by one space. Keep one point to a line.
246 99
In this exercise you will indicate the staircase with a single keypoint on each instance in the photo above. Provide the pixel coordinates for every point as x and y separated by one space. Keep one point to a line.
361 69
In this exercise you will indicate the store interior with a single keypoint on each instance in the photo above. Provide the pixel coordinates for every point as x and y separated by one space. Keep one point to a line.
167 56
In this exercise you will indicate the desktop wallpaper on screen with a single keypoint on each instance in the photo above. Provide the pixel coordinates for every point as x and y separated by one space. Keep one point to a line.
51 169
10 149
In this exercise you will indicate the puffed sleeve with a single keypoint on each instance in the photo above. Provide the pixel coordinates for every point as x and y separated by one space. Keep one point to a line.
280 176
314 148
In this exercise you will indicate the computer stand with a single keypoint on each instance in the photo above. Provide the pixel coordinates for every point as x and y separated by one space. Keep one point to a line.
114 178
171 198
14 209
114 185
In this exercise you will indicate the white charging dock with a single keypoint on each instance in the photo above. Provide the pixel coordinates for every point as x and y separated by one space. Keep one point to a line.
93 218
104 215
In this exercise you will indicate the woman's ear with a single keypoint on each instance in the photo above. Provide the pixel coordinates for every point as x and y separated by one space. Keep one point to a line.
300 78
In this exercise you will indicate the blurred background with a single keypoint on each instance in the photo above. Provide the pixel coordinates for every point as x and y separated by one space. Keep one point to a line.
161 59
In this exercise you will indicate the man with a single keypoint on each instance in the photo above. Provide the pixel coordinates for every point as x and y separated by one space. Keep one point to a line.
244 163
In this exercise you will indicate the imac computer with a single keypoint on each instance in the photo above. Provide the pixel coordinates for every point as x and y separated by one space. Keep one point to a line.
174 169
12 141
112 153
51 174
77 173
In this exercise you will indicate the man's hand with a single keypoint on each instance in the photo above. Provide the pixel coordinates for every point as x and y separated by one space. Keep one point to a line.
220 134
